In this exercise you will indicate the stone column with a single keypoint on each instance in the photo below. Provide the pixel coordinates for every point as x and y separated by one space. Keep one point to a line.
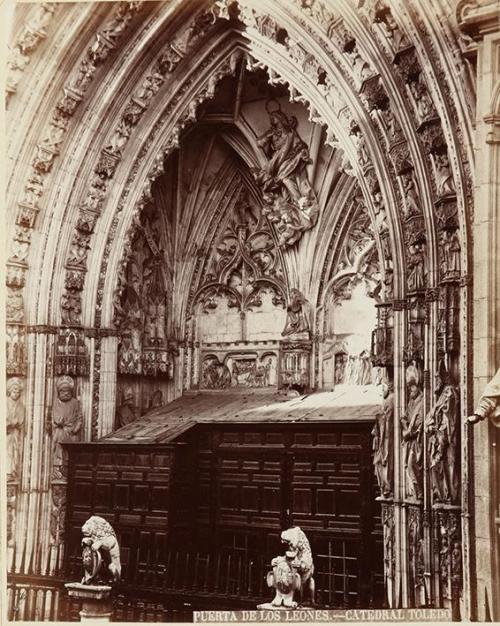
479 21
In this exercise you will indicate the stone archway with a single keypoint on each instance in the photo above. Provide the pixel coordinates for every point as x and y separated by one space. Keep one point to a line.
378 84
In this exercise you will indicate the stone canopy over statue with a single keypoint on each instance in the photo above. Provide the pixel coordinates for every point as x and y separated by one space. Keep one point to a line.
290 202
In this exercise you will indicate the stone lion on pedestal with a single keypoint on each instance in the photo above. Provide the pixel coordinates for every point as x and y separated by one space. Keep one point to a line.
101 552
292 574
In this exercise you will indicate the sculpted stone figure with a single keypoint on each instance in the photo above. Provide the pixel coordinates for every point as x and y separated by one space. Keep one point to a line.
383 441
15 421
412 423
489 403
442 424
67 422
289 198
298 314
101 552
126 412
292 574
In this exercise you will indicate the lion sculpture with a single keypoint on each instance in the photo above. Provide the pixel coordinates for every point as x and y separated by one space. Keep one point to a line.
101 552
292 574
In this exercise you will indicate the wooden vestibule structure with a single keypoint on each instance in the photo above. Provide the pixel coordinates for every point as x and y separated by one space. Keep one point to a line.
200 490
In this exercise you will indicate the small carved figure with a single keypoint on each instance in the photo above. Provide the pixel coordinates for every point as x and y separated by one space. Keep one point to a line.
441 424
67 422
383 441
489 403
101 552
298 314
444 177
126 412
412 423
15 421
416 267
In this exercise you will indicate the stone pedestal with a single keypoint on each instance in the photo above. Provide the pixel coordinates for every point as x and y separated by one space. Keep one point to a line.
96 601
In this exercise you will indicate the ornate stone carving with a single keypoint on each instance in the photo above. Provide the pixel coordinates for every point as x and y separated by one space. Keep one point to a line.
80 246
58 512
16 275
417 277
416 556
290 201
383 443
450 552
11 513
15 423
71 307
298 315
395 36
71 357
66 424
421 99
412 422
442 425
101 552
388 526
16 350
15 305
445 184
32 33
21 244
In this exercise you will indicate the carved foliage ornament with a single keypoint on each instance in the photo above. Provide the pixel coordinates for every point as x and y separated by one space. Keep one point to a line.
244 261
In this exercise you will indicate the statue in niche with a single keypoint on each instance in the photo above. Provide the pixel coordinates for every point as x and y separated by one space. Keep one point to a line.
298 318
444 178
15 422
422 100
126 412
383 441
450 254
489 403
290 201
412 424
410 194
416 267
67 423
441 424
